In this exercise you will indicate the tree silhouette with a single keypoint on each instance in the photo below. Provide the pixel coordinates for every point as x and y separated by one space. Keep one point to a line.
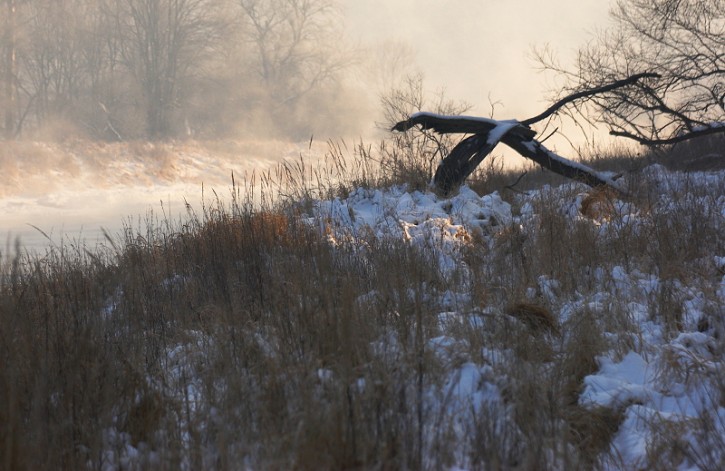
682 44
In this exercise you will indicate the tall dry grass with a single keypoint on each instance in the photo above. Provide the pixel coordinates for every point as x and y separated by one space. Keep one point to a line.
241 338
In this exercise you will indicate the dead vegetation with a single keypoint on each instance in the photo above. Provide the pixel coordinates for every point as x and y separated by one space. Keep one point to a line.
240 337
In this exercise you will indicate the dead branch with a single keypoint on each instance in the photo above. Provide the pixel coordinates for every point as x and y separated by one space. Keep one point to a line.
443 124
487 133
512 186
535 151
462 161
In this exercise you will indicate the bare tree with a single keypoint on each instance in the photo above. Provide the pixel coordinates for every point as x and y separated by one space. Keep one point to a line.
681 44
163 43
9 67
296 44
61 51
413 156
389 64
52 64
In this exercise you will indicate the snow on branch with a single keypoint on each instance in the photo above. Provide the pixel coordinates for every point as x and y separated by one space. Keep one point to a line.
487 133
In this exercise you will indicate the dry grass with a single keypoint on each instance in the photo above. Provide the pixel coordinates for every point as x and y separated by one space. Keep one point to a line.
537 318
240 338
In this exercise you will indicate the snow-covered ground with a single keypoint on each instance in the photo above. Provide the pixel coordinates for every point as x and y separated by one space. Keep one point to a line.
665 385
664 381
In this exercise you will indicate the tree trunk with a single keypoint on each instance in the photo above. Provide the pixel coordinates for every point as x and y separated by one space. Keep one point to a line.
10 66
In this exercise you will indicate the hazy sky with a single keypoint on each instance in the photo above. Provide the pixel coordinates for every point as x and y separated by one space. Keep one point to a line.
476 47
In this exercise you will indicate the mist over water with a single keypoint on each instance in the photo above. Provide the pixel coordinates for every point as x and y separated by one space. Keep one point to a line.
74 190
246 116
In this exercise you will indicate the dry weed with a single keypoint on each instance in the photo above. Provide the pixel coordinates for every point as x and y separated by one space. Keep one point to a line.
537 318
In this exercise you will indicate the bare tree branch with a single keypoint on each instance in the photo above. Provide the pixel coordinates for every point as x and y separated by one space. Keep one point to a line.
700 132
457 124
681 41
588 93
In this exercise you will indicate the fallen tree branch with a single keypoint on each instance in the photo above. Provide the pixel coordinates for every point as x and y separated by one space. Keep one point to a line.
462 161
469 153
444 124
487 133
535 151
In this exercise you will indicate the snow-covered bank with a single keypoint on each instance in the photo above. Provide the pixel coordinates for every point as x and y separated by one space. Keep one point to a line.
559 329
669 385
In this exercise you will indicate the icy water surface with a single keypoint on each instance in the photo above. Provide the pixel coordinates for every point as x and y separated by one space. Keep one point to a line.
72 192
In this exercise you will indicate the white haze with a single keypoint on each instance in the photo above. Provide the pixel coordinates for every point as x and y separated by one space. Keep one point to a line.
474 50
481 51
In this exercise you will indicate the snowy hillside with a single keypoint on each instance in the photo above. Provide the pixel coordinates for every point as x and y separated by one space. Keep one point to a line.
661 380
561 328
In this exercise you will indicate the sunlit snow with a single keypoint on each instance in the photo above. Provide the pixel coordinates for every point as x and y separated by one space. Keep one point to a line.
645 383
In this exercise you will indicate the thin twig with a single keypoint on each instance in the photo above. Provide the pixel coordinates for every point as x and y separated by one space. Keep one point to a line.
512 185
549 135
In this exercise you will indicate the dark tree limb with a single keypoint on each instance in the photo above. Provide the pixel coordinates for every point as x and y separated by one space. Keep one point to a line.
462 161
470 152
512 186
700 132
587 93
443 124
535 151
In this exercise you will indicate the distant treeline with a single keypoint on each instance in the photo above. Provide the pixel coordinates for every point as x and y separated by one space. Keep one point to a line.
130 69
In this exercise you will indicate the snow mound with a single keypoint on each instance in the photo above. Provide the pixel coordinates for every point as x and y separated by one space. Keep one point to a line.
424 219
397 213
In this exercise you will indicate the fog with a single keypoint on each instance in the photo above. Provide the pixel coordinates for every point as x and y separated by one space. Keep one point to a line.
476 49
81 94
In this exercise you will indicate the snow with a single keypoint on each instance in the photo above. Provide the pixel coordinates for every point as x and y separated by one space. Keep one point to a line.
502 127
659 378
426 220
415 216
648 397
618 384
644 383
711 125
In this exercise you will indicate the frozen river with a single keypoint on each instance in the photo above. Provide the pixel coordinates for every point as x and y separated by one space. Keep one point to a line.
53 193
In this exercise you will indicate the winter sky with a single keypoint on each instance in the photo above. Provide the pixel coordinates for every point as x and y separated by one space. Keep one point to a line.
474 48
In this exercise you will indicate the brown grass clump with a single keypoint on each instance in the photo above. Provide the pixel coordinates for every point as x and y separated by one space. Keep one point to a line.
592 430
242 336
537 318
272 227
598 204
264 228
